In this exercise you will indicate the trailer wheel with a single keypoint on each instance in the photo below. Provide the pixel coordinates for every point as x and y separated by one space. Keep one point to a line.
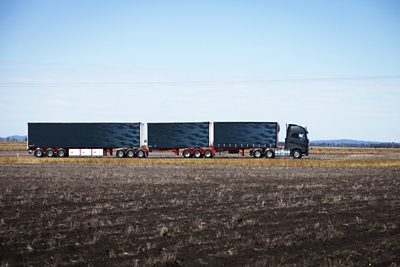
61 153
257 154
208 154
50 153
140 154
120 154
130 153
186 153
270 154
296 154
39 153
197 154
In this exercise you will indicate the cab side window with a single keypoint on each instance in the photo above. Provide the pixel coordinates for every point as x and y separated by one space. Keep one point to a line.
300 136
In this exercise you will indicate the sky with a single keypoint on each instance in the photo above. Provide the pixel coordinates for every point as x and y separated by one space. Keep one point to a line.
333 66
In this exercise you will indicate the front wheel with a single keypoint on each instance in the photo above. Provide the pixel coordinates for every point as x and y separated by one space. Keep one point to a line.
297 154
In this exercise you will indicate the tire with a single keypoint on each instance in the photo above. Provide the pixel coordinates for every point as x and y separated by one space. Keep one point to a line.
130 153
197 154
140 154
257 154
208 154
297 154
61 153
120 154
39 153
50 153
269 154
186 153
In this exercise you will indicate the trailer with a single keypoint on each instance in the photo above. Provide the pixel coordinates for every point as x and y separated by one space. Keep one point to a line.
236 136
86 139
190 139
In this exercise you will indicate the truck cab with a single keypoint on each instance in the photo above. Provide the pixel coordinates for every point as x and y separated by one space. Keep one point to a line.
296 140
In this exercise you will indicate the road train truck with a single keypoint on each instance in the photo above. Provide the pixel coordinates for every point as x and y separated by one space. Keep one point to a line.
188 139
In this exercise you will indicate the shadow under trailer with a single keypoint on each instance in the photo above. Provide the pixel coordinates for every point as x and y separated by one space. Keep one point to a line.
186 139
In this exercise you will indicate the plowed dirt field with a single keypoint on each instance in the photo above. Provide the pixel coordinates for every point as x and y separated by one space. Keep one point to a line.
333 209
224 214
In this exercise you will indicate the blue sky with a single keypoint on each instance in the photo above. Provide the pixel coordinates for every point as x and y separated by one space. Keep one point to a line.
333 66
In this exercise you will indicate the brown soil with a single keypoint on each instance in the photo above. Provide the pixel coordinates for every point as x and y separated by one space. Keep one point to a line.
190 215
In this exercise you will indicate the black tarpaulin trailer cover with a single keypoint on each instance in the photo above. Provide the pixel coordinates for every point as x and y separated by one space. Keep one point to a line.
84 135
245 134
178 135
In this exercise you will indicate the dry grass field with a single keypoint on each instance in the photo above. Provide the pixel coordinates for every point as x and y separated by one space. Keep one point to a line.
331 209
12 146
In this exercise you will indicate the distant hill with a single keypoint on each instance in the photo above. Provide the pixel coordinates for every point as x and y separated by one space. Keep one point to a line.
343 142
14 138
352 143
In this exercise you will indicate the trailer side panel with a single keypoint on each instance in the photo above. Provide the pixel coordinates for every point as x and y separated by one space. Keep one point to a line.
232 135
84 135
178 135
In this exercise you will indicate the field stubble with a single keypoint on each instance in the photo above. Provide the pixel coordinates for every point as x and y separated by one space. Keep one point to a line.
194 214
